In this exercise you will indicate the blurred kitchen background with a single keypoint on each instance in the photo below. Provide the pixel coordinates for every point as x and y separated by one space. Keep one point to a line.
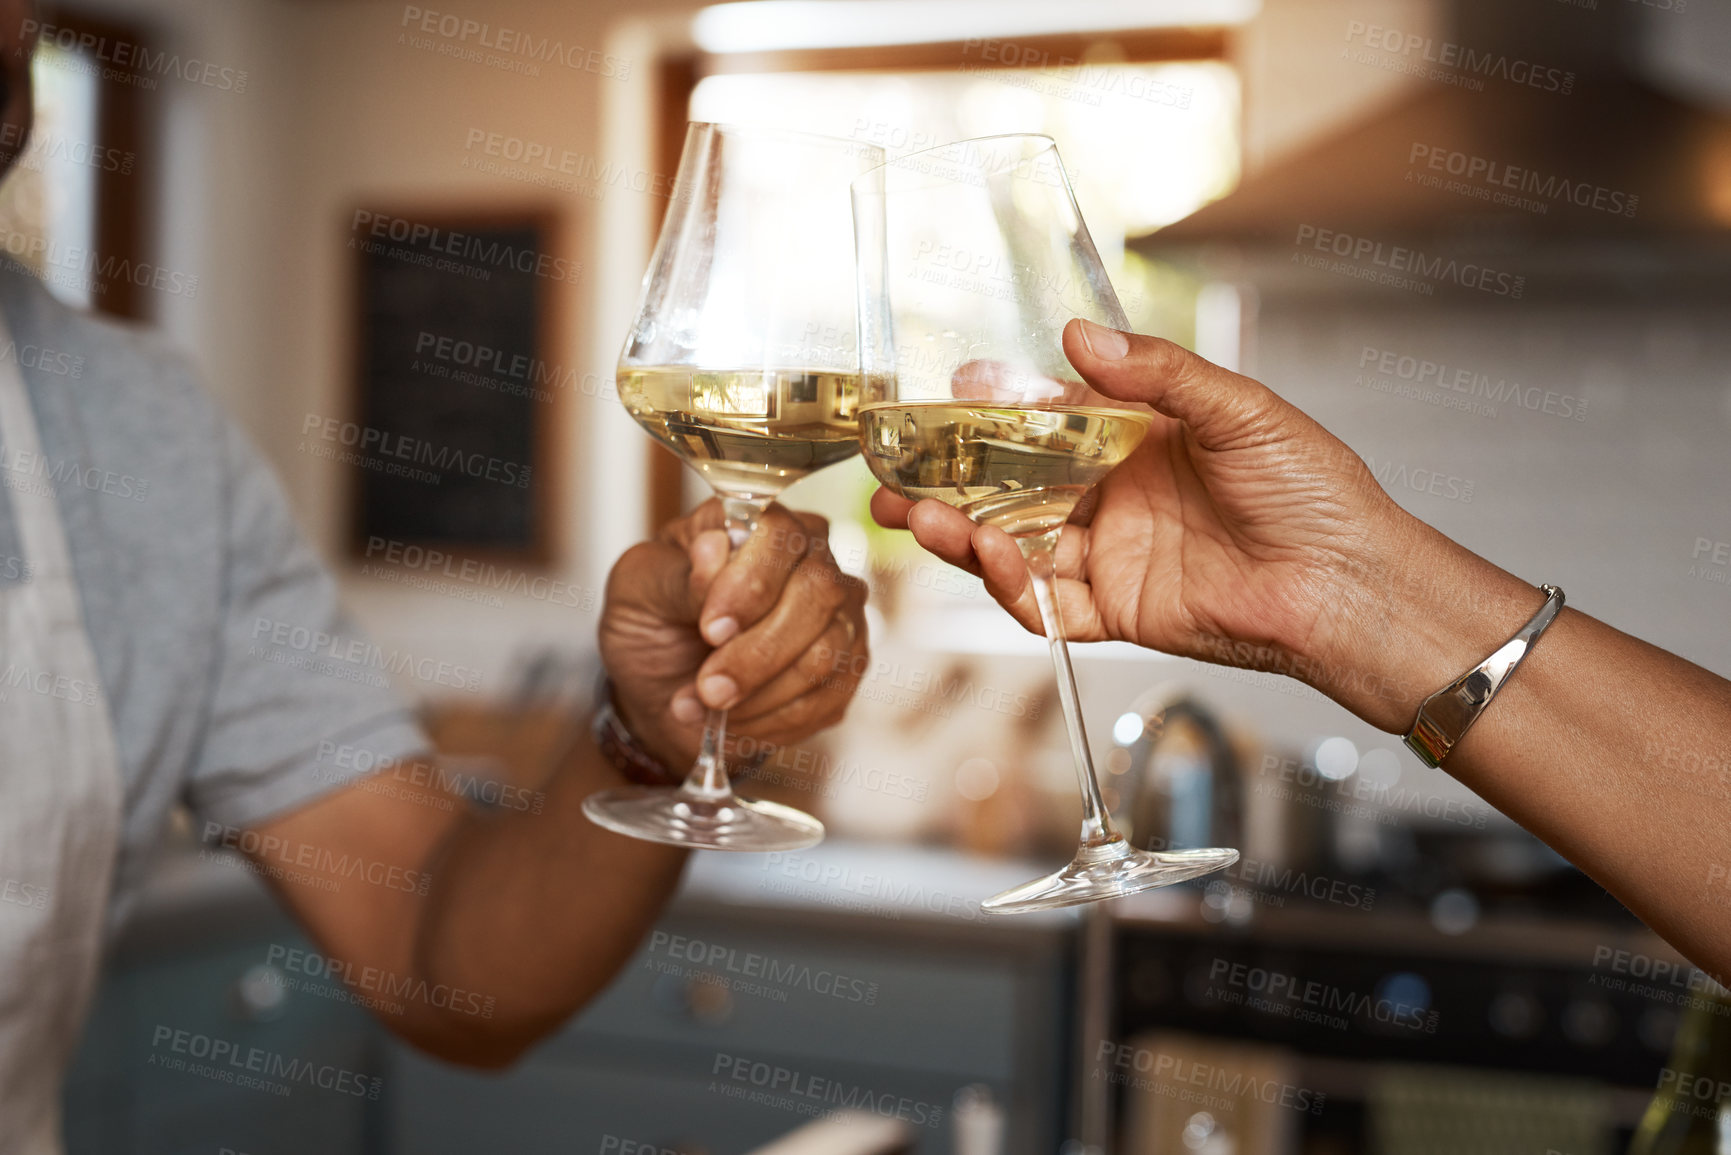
1394 967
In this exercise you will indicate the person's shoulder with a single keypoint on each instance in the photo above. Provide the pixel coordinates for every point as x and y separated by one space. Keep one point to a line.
127 377
116 351
87 348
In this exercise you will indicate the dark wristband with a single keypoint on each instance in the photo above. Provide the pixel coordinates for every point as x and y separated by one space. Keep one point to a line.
620 748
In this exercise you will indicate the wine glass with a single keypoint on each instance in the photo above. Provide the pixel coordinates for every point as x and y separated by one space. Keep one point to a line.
972 257
742 361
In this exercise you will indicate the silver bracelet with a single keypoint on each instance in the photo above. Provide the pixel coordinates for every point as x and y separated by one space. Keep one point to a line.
1446 716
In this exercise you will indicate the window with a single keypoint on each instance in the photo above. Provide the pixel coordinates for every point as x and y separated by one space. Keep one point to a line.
48 203
1144 144
77 208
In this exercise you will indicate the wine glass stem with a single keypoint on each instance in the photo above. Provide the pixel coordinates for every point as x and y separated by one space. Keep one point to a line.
708 777
1040 552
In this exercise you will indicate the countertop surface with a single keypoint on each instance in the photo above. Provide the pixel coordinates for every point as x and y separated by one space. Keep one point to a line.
196 894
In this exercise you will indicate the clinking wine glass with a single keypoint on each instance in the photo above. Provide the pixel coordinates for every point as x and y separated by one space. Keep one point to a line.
742 362
971 259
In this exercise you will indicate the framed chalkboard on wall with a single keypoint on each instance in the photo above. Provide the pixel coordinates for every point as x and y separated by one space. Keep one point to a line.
451 440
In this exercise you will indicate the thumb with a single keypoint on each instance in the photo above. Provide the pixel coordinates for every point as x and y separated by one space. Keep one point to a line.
1222 409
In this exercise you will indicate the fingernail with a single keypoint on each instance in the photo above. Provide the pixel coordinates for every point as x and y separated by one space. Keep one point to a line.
720 630
686 708
719 691
1106 344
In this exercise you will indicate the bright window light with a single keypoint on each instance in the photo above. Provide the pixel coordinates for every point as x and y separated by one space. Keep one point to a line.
48 203
1144 144
779 25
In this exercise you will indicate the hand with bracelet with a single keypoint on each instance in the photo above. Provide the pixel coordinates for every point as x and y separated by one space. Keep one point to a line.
1242 532
540 908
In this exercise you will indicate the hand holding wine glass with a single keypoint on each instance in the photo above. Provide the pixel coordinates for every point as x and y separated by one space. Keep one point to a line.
1240 531
970 257
741 362
773 631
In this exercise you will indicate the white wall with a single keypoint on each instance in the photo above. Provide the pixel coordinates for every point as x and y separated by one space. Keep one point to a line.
1609 506
387 124
338 113
224 205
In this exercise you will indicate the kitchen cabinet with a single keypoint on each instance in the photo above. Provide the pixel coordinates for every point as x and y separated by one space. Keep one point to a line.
177 1061
749 1011
781 1020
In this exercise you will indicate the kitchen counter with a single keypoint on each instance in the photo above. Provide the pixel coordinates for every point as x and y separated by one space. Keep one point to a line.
196 892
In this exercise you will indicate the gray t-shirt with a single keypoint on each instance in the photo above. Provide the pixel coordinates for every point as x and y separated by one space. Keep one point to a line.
227 663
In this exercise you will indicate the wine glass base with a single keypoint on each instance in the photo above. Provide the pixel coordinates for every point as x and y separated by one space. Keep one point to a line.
680 818
1108 871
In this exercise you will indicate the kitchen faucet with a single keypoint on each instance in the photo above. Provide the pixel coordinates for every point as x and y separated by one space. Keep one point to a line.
1197 805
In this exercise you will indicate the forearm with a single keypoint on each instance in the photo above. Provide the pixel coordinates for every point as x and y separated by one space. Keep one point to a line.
488 930
537 911
1614 752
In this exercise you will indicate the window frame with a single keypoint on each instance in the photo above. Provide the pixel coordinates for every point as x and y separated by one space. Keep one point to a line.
125 202
677 75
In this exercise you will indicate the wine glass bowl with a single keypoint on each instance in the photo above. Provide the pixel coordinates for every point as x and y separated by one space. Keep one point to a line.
1020 468
971 259
750 433
741 362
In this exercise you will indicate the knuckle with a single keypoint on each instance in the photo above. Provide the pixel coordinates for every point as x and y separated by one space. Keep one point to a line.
823 563
838 679
758 650
806 712
779 517
830 595
814 666
754 584
634 564
640 554
786 539
1165 358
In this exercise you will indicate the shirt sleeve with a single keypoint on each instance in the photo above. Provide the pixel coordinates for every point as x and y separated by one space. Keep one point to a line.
302 701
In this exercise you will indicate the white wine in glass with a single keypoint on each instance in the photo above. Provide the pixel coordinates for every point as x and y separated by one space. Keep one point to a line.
967 398
749 432
1018 468
741 361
